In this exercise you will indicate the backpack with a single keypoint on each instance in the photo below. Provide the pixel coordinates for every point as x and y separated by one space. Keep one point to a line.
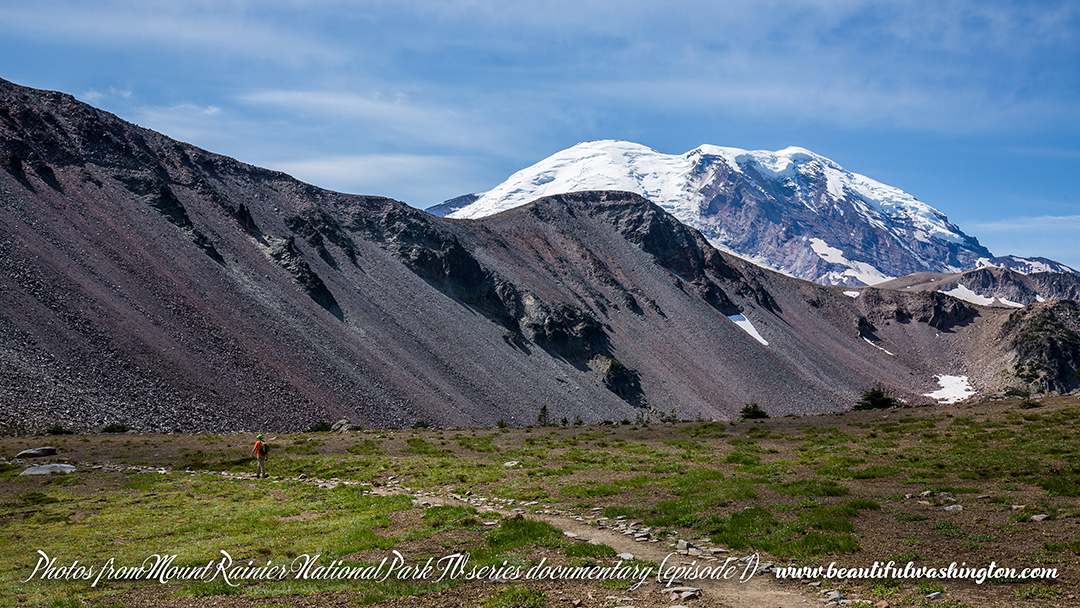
262 449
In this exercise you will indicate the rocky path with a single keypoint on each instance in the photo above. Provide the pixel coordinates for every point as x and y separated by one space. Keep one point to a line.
723 579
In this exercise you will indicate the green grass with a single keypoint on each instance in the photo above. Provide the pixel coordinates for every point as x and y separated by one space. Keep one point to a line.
812 487
517 597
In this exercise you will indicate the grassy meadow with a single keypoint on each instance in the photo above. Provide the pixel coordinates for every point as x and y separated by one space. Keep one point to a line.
852 488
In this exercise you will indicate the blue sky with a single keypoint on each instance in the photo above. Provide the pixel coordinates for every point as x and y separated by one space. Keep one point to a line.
972 107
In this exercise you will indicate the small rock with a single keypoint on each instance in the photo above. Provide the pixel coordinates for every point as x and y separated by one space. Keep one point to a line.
1018 507
882 604
834 596
569 534
937 595
683 590
511 463
625 556
927 494
953 508
1040 517
681 545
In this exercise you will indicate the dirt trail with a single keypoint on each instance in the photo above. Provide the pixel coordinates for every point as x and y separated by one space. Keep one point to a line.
760 590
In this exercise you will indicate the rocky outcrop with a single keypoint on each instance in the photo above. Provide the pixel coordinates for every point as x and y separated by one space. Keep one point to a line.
931 308
1046 345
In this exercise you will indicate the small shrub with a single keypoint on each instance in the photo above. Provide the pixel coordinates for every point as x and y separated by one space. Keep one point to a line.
321 427
1037 591
742 458
56 429
927 588
949 529
114 427
752 411
876 398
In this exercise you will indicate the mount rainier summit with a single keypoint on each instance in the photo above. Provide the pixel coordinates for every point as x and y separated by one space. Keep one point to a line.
793 211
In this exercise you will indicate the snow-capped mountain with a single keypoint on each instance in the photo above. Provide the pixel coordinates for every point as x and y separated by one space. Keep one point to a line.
1026 265
793 210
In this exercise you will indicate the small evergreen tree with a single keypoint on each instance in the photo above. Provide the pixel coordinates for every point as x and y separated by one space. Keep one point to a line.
876 398
543 419
753 411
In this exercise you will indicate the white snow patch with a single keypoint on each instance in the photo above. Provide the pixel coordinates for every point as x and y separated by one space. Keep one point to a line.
953 389
1010 303
831 255
868 341
965 294
859 270
853 294
748 327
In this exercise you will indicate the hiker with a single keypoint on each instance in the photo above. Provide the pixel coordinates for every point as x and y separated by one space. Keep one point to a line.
259 452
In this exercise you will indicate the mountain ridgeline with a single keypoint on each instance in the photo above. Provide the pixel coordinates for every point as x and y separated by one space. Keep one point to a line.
146 282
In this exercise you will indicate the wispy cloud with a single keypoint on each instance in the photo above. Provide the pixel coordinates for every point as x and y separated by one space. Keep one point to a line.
1031 224
206 126
393 118
420 180
235 28
94 96
1048 236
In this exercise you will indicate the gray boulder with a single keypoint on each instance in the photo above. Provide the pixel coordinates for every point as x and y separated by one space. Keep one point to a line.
46 469
343 426
37 452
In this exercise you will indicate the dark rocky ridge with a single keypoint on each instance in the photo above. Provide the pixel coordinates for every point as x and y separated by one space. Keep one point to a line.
148 282
1007 286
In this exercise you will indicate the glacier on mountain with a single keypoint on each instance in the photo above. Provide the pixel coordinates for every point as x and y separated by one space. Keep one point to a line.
793 211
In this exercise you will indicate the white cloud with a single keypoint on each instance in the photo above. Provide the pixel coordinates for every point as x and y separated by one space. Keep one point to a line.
1030 224
419 180
1046 236
205 126
197 27
394 118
